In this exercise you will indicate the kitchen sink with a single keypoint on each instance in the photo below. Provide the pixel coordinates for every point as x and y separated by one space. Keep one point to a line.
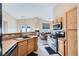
23 37
19 38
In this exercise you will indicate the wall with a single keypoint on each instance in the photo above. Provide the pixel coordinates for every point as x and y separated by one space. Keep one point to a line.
13 25
11 22
35 23
61 9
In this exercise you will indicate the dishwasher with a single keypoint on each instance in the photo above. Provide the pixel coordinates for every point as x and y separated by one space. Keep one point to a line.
12 51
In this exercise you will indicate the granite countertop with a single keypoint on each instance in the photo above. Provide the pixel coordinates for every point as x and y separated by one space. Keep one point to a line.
63 39
7 44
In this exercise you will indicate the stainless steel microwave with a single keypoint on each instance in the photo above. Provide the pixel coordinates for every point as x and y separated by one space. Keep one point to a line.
57 26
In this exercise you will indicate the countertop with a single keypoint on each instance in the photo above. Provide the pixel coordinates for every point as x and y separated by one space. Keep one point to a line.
7 44
63 39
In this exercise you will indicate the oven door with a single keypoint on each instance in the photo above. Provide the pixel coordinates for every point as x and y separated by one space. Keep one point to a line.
52 43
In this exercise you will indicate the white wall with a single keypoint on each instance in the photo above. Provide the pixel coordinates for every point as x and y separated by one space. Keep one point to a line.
11 22
14 24
35 23
61 9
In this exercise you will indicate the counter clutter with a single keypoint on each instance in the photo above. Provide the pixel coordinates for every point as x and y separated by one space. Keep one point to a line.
19 46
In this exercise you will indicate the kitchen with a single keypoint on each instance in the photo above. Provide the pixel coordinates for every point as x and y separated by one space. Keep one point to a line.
59 34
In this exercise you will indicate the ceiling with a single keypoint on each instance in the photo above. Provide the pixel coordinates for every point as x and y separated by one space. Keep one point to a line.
29 10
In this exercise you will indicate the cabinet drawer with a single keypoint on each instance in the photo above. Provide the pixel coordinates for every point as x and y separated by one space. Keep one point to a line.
22 43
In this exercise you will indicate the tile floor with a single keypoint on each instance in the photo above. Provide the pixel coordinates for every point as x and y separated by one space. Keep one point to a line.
41 48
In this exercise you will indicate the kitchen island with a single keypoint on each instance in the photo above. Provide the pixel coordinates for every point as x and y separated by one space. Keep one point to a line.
18 46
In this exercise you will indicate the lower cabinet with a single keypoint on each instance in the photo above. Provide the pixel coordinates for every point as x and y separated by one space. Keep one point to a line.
61 47
12 51
27 46
35 43
30 45
22 48
72 42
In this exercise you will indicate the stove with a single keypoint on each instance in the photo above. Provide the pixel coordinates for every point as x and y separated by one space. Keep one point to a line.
53 42
53 39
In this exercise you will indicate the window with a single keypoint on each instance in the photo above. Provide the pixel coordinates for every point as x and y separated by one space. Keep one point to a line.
25 28
28 29
46 26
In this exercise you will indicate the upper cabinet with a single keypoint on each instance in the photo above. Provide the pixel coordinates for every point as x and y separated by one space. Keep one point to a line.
52 22
72 19
69 20
59 20
64 22
56 21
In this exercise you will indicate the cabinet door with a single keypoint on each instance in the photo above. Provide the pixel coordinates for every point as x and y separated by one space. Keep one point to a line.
56 21
30 45
22 48
64 22
59 20
72 19
61 47
35 44
52 21
72 42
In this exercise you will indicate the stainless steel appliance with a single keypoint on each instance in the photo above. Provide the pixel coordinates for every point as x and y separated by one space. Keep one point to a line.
53 38
55 34
57 26
12 51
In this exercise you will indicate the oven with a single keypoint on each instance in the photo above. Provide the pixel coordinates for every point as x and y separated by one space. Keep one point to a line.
52 41
55 34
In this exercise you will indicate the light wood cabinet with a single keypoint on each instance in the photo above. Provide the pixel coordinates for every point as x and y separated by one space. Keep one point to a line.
35 43
56 21
27 46
69 21
52 21
63 22
72 42
61 46
71 32
22 48
30 46
72 19
60 20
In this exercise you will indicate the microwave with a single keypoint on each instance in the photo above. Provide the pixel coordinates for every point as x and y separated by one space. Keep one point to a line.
57 26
